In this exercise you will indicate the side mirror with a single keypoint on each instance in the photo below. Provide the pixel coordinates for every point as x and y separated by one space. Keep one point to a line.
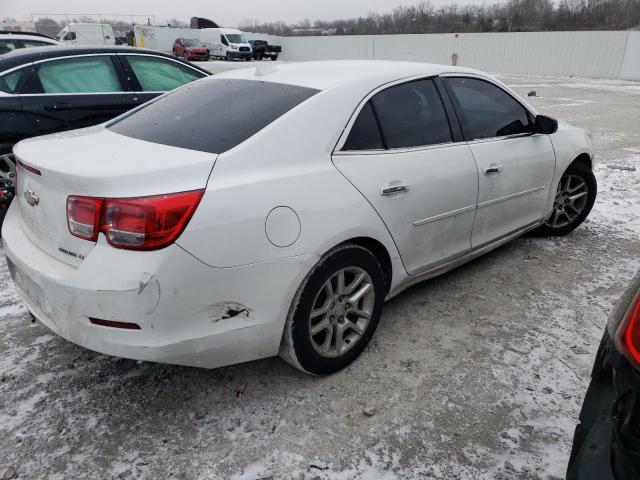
545 125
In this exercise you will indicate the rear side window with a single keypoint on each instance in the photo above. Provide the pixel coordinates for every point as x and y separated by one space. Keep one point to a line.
213 115
9 82
35 43
92 74
489 111
7 45
412 115
365 133
160 75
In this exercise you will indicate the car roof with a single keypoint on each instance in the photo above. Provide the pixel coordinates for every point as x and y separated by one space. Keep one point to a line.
23 56
29 34
321 75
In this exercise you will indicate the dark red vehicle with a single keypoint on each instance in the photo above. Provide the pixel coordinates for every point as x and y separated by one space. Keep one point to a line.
190 49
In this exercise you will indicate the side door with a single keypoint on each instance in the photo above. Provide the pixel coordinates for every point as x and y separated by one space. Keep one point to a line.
223 45
516 166
410 162
151 75
15 125
75 92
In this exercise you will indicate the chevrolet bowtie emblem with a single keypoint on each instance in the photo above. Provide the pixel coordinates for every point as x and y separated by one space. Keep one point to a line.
31 198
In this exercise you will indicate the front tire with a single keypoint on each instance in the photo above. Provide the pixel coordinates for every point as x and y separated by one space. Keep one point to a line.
575 197
335 311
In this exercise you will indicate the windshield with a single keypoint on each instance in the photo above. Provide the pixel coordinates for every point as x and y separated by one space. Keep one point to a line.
191 42
236 38
212 115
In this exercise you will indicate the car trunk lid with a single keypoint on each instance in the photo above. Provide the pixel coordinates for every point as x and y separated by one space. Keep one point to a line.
95 162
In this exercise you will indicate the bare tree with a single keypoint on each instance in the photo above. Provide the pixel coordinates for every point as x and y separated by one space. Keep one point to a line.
511 15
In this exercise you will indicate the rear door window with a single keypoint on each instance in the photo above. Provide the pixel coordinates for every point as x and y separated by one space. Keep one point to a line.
157 74
212 115
90 74
487 110
412 115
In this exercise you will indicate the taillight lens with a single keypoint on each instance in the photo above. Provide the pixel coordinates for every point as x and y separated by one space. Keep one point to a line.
83 217
145 223
149 223
628 337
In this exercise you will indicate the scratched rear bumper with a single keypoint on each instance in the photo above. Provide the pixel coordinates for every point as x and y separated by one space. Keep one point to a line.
189 313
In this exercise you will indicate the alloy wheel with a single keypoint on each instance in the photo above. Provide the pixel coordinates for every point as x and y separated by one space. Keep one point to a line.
341 312
571 200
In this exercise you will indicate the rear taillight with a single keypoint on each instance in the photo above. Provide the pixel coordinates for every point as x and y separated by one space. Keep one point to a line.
83 217
145 223
628 336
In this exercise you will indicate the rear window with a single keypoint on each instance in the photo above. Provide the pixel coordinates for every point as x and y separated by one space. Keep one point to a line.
212 115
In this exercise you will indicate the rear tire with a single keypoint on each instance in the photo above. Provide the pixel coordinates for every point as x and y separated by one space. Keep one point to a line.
575 197
335 311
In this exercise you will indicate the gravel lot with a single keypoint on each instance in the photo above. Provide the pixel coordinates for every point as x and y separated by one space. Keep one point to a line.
478 374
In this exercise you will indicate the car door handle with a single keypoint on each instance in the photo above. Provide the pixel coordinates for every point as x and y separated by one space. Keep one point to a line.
492 170
394 189
59 106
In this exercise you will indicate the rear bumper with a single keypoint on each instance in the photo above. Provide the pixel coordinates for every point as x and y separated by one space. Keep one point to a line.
189 313
603 445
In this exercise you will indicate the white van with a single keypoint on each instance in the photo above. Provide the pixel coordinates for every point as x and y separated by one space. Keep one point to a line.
226 43
87 34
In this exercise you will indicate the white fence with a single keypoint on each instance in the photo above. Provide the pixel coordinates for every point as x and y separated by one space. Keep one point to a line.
613 55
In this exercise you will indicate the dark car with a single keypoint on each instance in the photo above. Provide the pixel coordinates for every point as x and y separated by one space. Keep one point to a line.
606 445
51 89
262 49
190 49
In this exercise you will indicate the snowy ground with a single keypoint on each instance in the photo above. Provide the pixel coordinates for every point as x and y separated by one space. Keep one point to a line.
478 374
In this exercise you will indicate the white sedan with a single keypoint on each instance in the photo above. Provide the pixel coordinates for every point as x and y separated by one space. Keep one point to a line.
273 210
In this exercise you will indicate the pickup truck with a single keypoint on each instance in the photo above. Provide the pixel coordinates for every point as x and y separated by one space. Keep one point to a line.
262 49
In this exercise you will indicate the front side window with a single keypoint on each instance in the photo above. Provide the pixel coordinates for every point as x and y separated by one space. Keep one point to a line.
160 75
9 82
223 39
213 115
92 74
488 111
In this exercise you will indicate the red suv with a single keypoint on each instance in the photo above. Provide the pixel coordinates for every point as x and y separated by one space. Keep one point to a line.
190 49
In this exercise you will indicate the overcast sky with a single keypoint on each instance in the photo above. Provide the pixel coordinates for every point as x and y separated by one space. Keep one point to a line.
224 12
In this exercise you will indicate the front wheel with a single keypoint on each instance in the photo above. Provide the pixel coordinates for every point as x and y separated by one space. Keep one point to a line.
575 197
335 312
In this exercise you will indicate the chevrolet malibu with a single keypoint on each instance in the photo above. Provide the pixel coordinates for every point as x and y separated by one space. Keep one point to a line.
273 210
